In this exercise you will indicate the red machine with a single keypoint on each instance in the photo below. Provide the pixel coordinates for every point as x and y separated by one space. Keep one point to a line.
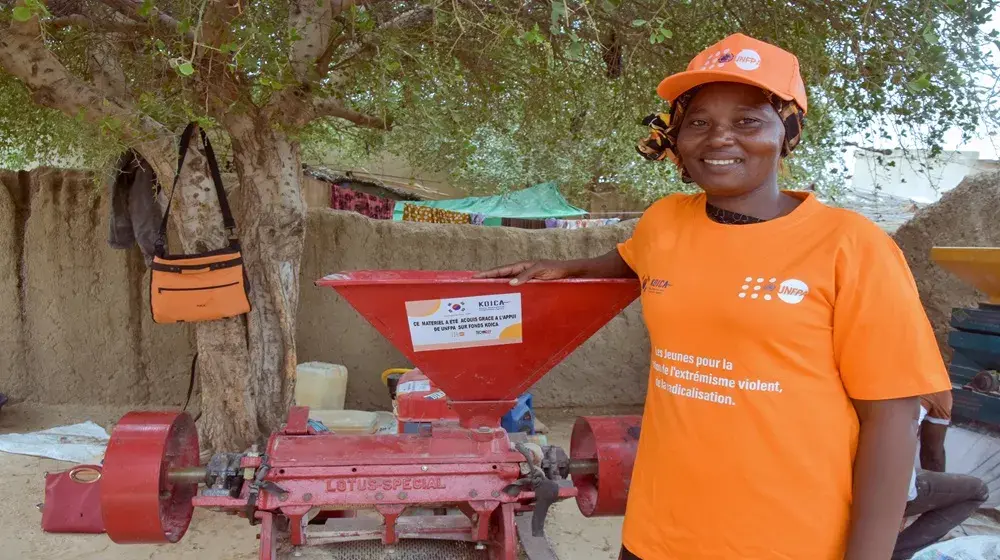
420 402
460 478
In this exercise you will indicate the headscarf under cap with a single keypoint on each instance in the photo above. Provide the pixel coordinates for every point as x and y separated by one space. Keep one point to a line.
664 127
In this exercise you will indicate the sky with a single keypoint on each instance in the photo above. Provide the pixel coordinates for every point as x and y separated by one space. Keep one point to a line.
988 146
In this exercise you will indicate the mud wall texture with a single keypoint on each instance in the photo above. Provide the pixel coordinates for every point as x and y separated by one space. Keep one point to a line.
76 326
967 216
608 369
74 312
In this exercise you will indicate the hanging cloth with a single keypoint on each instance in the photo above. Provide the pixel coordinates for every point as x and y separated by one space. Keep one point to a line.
133 215
415 213
375 207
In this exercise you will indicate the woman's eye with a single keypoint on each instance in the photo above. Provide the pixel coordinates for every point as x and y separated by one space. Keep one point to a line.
697 122
748 121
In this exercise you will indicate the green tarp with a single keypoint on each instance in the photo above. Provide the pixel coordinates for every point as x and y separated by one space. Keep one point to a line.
540 201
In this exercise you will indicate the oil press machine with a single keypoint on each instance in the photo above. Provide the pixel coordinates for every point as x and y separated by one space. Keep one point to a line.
975 335
460 478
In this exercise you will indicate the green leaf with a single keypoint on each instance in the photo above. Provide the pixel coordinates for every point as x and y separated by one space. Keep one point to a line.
22 13
638 22
365 21
609 6
920 84
931 36
575 49
558 11
146 8
185 69
533 36
653 38
184 26
666 33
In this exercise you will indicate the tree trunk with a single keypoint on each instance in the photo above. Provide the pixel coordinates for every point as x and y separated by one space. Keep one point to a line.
228 412
271 215
246 366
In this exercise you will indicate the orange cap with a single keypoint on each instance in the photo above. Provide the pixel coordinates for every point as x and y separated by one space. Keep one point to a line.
743 60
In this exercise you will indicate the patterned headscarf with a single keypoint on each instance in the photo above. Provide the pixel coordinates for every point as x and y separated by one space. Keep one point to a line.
662 140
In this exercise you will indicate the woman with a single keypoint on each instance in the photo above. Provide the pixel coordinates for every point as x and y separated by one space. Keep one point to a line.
789 342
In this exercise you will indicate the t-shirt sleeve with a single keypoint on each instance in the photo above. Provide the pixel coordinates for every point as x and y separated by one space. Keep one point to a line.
634 249
883 342
629 251
938 407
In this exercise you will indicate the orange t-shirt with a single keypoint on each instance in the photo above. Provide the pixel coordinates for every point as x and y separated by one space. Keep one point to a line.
762 334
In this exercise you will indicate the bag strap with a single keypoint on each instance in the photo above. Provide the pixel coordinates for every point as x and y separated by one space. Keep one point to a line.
213 165
194 364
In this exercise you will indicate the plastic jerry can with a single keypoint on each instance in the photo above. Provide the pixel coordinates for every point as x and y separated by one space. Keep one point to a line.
320 386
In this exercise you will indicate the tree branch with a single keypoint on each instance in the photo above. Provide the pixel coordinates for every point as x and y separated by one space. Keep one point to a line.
83 22
406 20
312 20
330 107
24 56
130 8
106 69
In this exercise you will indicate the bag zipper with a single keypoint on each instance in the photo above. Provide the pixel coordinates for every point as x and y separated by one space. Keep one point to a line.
161 290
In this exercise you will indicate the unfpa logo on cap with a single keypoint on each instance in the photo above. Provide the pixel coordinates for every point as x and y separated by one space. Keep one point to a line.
748 60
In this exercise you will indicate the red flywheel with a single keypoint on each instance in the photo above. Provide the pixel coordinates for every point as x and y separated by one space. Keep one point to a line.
138 502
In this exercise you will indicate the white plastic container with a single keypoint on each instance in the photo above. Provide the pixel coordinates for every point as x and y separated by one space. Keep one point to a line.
320 386
346 421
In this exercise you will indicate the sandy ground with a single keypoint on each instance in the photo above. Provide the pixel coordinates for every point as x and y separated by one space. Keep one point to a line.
212 536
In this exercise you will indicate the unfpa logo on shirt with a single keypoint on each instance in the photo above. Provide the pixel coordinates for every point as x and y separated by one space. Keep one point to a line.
790 291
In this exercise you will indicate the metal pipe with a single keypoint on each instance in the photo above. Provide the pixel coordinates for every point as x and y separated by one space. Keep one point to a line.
583 466
187 475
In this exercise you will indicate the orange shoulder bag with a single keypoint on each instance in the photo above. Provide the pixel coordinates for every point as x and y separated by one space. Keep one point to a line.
204 286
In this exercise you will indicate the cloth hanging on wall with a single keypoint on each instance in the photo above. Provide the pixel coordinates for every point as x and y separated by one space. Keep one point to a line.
523 223
376 207
415 213
580 224
134 215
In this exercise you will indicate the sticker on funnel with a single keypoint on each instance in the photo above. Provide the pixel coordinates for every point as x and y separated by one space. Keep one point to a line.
447 324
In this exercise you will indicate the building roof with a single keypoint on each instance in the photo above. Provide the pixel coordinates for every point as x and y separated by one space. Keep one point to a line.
386 187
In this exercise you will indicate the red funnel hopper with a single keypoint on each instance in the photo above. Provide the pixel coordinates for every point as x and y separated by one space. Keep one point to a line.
483 342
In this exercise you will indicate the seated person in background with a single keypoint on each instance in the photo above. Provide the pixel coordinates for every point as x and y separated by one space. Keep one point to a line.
937 418
941 500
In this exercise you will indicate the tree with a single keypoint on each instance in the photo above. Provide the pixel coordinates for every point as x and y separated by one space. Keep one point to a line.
574 80
544 87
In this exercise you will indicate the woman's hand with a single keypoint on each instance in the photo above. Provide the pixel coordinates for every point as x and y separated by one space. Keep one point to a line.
533 270
608 265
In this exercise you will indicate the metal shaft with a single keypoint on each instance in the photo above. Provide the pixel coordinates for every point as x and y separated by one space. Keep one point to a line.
583 466
197 475
187 475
